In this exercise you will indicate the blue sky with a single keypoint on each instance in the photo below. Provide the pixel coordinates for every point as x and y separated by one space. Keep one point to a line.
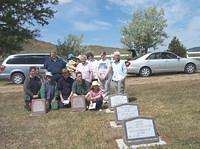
101 20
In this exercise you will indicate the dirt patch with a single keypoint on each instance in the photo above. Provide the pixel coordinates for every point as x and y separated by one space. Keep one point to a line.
11 89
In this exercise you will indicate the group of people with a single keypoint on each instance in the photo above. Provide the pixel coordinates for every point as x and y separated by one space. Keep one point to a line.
83 75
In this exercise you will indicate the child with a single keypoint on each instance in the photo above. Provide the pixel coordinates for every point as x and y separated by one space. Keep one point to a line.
95 95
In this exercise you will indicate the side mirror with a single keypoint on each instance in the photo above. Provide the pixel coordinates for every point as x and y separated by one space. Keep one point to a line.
178 57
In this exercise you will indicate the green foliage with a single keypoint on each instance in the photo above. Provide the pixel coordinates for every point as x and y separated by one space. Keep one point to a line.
18 19
71 43
145 30
176 47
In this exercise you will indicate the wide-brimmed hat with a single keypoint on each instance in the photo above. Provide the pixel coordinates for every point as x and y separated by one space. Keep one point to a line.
95 83
48 74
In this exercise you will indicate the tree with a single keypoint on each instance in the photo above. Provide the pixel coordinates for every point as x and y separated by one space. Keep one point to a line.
72 43
18 19
145 30
176 47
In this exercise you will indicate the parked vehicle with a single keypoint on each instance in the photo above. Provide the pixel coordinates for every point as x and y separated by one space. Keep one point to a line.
161 62
16 67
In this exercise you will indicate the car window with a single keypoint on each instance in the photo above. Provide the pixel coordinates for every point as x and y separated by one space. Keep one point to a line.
16 60
154 56
35 59
168 56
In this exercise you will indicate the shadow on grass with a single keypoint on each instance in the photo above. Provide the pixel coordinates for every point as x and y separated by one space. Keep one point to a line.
131 99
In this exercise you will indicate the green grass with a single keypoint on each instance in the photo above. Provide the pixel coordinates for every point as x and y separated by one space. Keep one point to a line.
175 107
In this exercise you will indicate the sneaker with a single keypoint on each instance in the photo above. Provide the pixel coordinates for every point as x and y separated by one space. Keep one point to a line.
100 110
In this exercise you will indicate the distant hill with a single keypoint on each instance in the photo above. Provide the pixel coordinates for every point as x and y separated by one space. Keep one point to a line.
38 46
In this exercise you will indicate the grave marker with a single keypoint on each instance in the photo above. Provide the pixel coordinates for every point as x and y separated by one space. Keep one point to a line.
139 130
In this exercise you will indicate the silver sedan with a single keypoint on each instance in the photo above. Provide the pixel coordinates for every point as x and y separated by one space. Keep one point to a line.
161 62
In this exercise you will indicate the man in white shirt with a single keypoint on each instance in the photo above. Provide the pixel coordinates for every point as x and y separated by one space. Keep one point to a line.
119 73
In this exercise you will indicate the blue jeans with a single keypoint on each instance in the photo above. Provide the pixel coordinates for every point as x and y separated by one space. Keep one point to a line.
105 84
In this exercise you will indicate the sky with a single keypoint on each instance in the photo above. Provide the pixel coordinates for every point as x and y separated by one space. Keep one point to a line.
100 21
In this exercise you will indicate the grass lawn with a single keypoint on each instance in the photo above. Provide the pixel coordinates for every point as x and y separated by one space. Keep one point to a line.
174 105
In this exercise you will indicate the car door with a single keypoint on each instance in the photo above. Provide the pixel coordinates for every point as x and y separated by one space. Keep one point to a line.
156 63
173 62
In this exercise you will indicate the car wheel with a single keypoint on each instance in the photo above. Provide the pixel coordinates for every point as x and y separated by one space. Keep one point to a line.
145 72
17 78
190 68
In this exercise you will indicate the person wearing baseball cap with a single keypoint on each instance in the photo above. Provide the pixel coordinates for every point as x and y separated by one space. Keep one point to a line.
49 89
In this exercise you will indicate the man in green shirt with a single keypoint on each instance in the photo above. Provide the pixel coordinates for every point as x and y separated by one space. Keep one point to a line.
80 86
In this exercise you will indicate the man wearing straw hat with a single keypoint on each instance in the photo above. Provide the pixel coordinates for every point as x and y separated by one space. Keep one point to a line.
119 73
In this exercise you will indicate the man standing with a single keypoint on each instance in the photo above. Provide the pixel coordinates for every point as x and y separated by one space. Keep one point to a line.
31 86
119 73
104 74
54 64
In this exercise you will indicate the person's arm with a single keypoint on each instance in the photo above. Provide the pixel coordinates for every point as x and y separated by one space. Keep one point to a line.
56 92
27 87
91 73
61 97
109 70
100 95
124 70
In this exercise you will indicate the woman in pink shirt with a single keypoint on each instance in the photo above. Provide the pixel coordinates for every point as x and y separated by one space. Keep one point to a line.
85 68
95 95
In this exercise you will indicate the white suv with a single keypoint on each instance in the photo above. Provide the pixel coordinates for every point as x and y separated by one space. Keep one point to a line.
16 67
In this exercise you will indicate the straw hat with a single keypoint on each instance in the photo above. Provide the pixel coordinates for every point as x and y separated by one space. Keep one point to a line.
95 83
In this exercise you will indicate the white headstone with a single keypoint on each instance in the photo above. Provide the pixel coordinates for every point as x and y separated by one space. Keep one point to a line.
126 111
115 100
139 130
38 106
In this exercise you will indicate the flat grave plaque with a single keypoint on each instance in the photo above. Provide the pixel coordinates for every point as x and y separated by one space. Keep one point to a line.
78 103
139 130
117 99
38 106
125 111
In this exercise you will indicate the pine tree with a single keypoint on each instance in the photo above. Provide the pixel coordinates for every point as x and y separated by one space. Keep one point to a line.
177 47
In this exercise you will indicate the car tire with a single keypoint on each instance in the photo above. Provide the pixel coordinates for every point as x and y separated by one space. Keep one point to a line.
18 78
190 68
145 71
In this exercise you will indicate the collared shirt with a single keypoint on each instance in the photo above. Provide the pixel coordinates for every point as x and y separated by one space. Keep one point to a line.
80 88
55 67
65 86
119 70
85 69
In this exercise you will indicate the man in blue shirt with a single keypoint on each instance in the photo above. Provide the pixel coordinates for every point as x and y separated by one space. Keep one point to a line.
119 73
54 64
